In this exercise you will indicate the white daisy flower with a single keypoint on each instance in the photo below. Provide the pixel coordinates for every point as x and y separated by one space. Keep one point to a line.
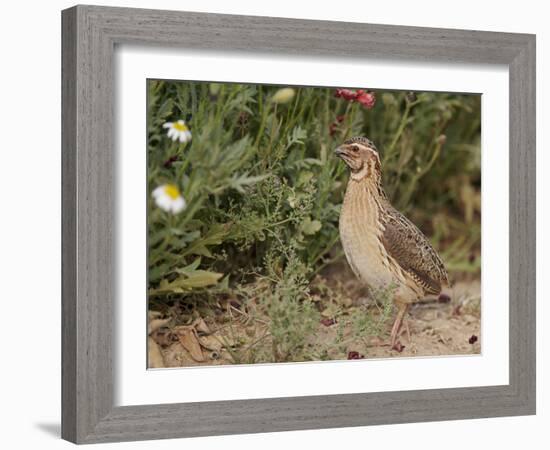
178 131
168 198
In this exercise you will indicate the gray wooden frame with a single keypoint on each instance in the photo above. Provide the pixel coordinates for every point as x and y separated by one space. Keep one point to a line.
90 34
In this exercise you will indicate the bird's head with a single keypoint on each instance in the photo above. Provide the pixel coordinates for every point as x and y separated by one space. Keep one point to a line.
361 156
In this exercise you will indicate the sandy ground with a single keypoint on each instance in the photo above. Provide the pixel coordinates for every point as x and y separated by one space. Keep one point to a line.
452 328
235 336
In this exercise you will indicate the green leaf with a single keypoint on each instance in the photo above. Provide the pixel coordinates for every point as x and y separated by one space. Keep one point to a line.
304 177
200 249
190 268
239 181
214 236
193 279
156 237
310 227
298 136
156 273
197 279
166 109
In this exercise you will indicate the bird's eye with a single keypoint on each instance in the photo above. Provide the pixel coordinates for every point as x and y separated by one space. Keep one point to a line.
355 148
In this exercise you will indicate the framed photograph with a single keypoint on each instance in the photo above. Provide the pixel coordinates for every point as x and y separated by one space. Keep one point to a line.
279 224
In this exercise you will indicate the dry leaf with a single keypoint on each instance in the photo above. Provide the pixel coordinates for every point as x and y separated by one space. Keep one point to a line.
154 355
189 341
200 325
177 356
347 302
330 311
151 315
164 337
156 324
210 343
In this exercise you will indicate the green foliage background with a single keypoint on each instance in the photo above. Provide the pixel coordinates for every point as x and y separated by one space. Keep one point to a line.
263 187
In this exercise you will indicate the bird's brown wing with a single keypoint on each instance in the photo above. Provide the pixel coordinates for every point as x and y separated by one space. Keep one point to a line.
405 243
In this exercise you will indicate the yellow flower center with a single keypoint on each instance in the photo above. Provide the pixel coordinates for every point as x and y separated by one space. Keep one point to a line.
172 191
180 126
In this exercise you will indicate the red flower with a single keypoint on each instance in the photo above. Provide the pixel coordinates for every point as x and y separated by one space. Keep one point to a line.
367 99
346 94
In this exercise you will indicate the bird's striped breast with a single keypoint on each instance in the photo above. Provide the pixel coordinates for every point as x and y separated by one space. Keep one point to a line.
360 231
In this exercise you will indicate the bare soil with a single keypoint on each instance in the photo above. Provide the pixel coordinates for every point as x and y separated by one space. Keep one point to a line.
438 329
233 334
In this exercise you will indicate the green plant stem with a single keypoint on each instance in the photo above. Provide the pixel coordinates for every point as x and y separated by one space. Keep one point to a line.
263 120
418 175
402 124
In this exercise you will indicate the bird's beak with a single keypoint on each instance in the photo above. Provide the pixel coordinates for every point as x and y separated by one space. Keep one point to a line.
340 151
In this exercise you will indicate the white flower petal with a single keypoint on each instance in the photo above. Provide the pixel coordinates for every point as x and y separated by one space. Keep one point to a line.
178 205
164 202
168 125
184 136
158 191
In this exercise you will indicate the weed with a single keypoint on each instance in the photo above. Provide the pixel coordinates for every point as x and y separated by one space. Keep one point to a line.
263 194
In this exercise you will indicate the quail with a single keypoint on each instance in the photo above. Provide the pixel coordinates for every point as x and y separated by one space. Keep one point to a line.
384 249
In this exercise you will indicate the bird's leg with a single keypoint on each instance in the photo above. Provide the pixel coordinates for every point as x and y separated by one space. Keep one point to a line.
401 311
406 329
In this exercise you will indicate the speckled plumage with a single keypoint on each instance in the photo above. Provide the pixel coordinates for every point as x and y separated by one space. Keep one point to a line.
382 246
361 140
413 252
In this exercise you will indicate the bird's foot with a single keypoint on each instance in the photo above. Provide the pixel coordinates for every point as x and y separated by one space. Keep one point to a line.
395 343
398 347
